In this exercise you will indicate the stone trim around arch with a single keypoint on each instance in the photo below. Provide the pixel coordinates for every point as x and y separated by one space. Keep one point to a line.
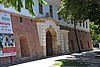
54 40
51 29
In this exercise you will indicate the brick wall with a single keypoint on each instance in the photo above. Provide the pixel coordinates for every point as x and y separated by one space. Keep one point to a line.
83 36
28 29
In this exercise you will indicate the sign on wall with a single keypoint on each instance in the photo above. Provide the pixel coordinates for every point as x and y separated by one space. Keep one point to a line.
7 43
5 23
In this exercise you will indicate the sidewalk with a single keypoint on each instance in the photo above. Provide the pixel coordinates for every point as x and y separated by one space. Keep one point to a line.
84 56
42 63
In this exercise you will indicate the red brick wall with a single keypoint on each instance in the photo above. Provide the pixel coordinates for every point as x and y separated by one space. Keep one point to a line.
27 29
85 38
82 35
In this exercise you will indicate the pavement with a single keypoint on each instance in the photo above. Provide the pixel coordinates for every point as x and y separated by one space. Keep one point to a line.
88 56
42 63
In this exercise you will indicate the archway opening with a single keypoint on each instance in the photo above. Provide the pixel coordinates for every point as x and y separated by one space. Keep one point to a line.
49 47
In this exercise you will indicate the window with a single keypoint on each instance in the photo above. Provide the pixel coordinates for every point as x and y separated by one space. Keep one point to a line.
40 8
71 22
20 19
80 24
83 24
51 10
86 25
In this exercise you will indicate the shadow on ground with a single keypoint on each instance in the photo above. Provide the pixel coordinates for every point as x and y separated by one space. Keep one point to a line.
85 59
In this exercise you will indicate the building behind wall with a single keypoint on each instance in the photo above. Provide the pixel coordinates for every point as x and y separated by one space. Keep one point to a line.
45 35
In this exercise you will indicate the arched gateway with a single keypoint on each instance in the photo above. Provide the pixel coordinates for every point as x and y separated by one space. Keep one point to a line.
51 41
49 47
51 37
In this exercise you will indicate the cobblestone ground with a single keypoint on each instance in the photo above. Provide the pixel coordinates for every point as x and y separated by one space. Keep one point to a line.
89 57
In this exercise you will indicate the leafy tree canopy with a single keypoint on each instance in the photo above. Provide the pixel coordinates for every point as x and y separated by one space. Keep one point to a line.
18 4
80 9
94 29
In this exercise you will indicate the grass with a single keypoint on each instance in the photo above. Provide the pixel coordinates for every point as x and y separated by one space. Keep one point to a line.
59 63
70 63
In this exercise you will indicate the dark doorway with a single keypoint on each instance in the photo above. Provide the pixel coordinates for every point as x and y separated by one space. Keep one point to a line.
24 47
49 50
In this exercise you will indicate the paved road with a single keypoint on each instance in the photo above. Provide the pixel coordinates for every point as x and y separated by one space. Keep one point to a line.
42 63
84 56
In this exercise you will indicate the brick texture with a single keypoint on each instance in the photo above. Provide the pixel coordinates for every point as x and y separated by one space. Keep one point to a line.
27 29
84 36
27 40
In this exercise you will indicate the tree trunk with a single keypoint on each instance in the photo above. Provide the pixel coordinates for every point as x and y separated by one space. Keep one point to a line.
76 35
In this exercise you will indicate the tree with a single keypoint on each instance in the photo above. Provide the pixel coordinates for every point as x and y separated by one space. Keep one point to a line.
94 31
80 10
17 4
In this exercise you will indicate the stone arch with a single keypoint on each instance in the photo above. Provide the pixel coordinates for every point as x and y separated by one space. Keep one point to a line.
24 46
52 31
51 42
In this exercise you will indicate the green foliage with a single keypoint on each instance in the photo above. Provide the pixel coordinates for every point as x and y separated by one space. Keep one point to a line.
17 4
58 64
94 30
80 9
70 63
